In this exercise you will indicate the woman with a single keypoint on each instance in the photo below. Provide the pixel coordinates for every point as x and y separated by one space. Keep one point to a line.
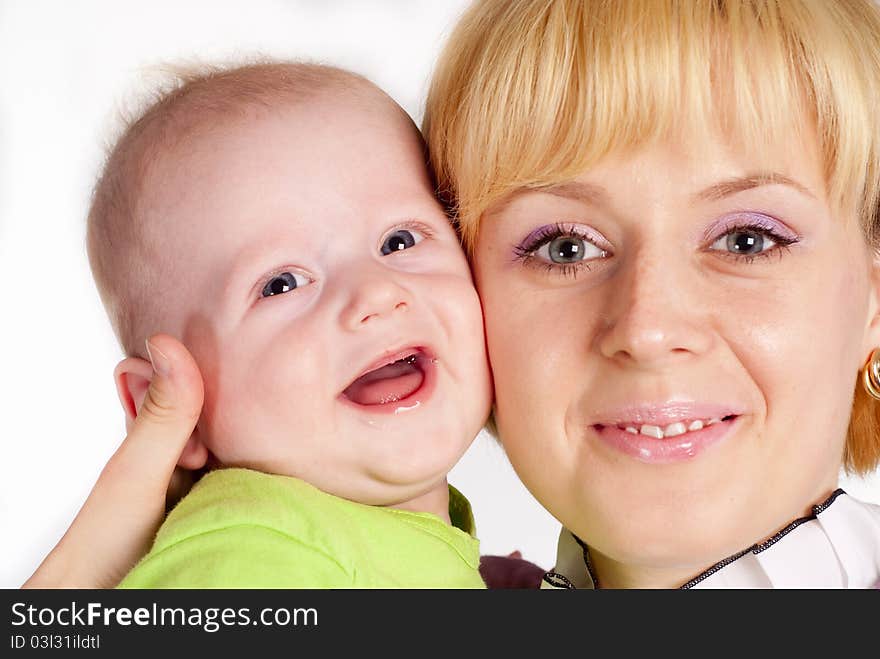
673 233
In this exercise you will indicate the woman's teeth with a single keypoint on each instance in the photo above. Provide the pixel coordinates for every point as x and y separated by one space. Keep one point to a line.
672 430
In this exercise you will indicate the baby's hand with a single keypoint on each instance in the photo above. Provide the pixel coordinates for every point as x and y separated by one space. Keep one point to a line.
116 524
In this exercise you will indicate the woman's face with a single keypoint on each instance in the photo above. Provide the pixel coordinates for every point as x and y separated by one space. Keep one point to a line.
675 337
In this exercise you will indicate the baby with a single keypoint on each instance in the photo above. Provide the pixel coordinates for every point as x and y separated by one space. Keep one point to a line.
280 220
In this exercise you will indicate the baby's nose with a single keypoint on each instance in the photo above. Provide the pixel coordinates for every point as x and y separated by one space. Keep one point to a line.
374 298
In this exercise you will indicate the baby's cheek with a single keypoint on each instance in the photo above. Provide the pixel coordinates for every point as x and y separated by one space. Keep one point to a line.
223 420
458 292
239 391
292 382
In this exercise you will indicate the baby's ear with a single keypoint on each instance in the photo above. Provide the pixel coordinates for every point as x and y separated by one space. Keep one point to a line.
133 376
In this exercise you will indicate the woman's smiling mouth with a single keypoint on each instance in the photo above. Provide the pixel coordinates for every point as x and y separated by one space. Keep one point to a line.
673 429
661 434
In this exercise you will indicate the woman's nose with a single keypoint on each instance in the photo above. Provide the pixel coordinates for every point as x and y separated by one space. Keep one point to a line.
373 297
654 313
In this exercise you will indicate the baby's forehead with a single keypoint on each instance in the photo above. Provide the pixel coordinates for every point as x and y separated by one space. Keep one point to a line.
350 101
359 113
227 151
265 170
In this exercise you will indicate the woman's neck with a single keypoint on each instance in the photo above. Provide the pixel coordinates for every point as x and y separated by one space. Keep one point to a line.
613 574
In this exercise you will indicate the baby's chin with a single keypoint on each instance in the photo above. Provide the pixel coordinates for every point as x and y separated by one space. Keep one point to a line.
428 494
393 483
388 462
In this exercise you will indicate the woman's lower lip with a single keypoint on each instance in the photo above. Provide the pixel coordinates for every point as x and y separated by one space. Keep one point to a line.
669 449
412 402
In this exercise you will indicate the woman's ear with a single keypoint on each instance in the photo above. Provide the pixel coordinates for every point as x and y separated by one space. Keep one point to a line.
872 336
133 376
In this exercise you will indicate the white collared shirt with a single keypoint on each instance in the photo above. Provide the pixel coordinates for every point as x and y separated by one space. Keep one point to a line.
837 546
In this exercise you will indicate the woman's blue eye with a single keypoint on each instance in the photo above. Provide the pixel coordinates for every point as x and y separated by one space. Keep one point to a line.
568 249
284 283
399 240
744 242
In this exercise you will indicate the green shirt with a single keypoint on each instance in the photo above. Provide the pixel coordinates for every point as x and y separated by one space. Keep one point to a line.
239 528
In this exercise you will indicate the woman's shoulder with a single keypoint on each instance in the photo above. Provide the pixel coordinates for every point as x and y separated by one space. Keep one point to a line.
836 546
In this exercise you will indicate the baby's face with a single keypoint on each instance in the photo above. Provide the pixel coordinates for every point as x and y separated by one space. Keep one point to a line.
324 294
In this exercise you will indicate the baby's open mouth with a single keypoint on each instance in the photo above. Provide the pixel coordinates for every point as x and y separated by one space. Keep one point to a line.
397 379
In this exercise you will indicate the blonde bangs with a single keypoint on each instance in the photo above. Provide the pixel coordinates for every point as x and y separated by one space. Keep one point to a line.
530 93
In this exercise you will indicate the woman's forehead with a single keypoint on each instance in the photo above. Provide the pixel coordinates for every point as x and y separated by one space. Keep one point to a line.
545 107
701 168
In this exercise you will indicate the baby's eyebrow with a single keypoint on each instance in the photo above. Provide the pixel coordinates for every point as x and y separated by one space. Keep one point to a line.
737 184
246 266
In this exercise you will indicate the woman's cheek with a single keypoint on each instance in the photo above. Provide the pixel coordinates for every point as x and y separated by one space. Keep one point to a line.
527 354
796 344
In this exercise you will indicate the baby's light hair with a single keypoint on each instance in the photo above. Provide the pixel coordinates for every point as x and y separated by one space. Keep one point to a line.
530 93
192 99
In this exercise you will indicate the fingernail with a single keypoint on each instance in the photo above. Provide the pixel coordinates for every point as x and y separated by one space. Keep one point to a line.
159 360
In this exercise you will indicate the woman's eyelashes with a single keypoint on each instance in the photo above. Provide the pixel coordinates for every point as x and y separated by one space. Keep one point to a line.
569 248
749 236
561 248
284 282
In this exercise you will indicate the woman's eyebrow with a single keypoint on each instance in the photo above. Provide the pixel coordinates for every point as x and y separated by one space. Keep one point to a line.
731 186
578 191
598 195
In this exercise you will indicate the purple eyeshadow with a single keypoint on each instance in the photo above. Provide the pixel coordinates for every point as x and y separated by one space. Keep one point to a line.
750 220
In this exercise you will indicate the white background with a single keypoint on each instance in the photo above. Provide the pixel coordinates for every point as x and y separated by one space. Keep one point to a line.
65 67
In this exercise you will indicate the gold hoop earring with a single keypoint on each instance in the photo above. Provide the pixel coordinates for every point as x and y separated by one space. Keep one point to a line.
871 374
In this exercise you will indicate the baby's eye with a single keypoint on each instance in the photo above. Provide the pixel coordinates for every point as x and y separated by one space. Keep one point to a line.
284 282
568 249
401 239
744 242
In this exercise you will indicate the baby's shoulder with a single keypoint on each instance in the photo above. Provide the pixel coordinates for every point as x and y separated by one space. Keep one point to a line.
241 528
240 498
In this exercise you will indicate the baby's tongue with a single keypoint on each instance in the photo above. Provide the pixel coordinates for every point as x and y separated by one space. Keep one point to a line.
387 384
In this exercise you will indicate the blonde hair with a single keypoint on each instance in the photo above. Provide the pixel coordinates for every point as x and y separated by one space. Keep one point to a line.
191 99
529 93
